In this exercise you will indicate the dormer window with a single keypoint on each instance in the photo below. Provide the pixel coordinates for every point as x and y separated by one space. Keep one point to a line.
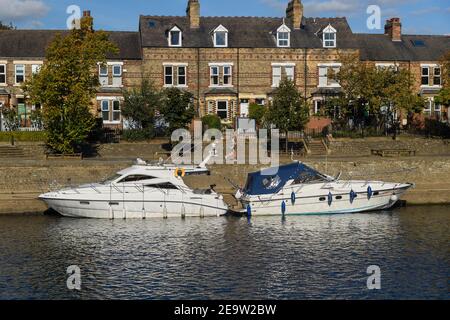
220 37
283 36
175 37
329 37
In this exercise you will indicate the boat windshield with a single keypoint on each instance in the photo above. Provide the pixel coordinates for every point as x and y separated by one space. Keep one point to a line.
111 179
309 177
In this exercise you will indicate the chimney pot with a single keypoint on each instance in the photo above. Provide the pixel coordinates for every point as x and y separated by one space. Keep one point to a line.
393 29
294 12
193 13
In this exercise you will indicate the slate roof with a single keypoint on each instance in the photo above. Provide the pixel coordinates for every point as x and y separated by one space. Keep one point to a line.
33 43
243 32
379 47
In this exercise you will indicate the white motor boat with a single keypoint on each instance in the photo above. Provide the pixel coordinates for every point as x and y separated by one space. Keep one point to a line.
297 189
141 191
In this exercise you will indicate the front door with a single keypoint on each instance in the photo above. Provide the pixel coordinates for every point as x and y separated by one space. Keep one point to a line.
244 108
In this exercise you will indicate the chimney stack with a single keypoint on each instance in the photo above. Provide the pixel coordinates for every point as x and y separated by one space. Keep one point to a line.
87 22
294 12
393 29
193 13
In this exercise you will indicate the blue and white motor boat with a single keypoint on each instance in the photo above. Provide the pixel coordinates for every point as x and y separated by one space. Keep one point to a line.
296 189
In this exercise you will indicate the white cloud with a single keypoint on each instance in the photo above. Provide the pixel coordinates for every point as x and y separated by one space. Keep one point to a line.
20 10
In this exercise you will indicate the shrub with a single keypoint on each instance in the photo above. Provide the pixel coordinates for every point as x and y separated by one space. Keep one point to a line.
212 121
134 135
257 112
23 136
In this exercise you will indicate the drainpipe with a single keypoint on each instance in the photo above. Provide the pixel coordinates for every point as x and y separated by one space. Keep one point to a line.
198 82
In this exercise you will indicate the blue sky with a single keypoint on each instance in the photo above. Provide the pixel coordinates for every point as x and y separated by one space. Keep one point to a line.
418 16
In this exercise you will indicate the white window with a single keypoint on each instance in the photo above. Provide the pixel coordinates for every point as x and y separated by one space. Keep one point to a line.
221 75
425 76
175 37
103 70
325 75
168 75
117 70
116 111
227 76
175 74
329 37
283 37
35 68
105 110
103 74
182 76
220 37
281 70
222 109
276 76
437 76
20 73
117 75
3 73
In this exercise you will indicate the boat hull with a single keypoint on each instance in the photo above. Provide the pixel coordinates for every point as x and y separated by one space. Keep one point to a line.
319 203
98 209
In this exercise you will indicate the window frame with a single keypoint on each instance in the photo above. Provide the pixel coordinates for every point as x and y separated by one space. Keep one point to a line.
212 76
180 37
227 110
439 76
114 111
423 76
228 75
35 68
184 76
220 29
277 78
330 42
113 66
105 111
166 76
3 73
100 74
283 29
327 66
16 75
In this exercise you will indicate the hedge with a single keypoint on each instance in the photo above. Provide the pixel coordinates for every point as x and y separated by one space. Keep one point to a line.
22 136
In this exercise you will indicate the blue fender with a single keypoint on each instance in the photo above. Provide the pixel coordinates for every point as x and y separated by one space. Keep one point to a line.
293 198
283 207
352 196
330 198
369 192
249 210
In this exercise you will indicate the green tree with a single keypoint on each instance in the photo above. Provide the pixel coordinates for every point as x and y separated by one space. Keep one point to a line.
257 112
67 83
177 108
444 94
288 110
140 106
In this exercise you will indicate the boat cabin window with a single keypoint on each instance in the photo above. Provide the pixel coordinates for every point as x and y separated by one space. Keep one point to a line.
166 185
136 177
309 177
111 179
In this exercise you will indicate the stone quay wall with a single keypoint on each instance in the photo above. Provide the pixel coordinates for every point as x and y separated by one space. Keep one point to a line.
22 182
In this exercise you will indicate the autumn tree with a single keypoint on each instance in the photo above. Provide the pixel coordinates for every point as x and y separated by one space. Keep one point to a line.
444 94
67 83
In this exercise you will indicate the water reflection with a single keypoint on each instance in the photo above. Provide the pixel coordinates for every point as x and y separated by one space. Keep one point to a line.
228 258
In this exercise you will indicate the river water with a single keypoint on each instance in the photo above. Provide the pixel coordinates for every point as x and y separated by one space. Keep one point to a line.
302 257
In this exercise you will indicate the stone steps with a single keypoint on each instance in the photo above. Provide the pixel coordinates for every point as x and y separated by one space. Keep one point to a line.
317 148
11 152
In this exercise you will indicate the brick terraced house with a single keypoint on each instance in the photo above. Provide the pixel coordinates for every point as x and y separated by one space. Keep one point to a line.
230 62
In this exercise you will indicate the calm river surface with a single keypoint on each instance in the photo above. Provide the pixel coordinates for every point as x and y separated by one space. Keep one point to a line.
303 257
